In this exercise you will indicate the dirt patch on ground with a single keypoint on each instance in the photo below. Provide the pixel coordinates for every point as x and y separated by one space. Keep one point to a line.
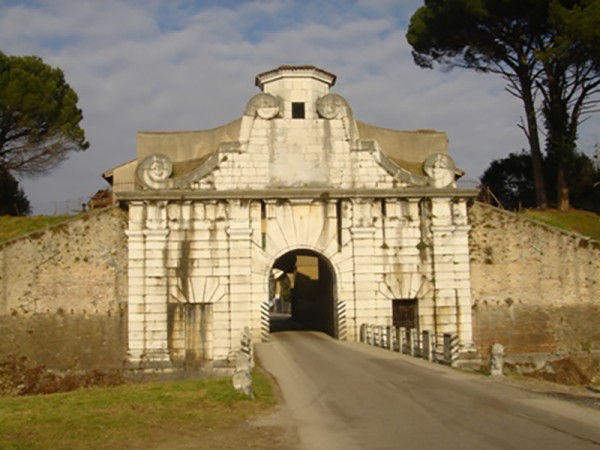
574 378
20 376
571 370
574 371
588 396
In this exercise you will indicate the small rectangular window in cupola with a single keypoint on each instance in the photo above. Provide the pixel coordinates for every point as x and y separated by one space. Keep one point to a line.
297 110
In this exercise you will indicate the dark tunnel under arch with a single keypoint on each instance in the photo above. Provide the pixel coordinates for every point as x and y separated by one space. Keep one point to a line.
312 299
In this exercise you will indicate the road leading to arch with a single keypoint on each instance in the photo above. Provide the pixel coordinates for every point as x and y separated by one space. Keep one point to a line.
349 396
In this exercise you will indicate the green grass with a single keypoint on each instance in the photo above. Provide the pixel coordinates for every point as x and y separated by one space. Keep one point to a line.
578 221
12 227
119 416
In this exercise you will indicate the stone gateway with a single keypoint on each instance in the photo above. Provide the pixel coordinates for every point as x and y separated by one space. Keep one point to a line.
366 222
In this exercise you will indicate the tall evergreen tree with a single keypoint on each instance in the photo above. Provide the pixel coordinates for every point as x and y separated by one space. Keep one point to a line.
39 117
546 50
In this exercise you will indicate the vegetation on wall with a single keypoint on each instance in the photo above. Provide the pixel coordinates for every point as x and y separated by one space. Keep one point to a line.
582 222
13 227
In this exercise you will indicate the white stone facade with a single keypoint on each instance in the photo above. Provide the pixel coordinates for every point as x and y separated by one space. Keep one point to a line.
207 226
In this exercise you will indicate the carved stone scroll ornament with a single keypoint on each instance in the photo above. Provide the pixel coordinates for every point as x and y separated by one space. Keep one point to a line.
154 170
333 106
400 174
263 105
440 169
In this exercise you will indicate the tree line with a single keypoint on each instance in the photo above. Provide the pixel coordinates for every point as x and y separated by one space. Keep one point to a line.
547 51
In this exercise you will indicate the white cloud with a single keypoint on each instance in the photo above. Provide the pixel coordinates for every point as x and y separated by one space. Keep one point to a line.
159 64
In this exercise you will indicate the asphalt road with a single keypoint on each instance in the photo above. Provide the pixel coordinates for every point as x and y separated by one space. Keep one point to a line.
348 396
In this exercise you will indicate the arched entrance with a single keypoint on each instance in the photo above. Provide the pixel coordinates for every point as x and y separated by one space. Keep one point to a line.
302 293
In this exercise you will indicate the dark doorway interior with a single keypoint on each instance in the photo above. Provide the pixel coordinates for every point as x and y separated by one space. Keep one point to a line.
303 293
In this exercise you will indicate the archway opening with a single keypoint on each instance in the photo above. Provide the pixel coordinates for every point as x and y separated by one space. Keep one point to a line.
302 293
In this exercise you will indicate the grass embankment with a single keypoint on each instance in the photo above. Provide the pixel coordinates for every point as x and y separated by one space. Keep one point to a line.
141 415
579 221
12 227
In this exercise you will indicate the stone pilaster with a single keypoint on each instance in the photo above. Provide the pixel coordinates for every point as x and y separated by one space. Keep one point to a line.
147 307
242 310
155 299
365 287
136 325
451 269
462 266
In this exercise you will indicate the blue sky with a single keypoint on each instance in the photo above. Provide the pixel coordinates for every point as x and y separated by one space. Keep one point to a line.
185 65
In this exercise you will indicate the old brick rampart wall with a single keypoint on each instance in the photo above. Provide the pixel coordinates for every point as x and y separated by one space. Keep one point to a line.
534 288
63 293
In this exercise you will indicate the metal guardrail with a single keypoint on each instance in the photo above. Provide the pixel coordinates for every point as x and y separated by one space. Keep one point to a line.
442 348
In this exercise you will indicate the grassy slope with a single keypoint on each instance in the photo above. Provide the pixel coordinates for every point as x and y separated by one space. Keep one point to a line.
11 227
578 221
139 415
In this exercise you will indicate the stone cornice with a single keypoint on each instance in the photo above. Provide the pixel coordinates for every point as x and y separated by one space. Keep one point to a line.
296 194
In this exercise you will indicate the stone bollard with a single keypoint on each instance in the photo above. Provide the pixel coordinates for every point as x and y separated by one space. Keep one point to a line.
397 340
410 343
426 346
244 362
402 341
363 333
242 378
414 342
497 360
390 337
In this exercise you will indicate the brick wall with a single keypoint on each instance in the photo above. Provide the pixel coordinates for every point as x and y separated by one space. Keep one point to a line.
534 287
63 293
